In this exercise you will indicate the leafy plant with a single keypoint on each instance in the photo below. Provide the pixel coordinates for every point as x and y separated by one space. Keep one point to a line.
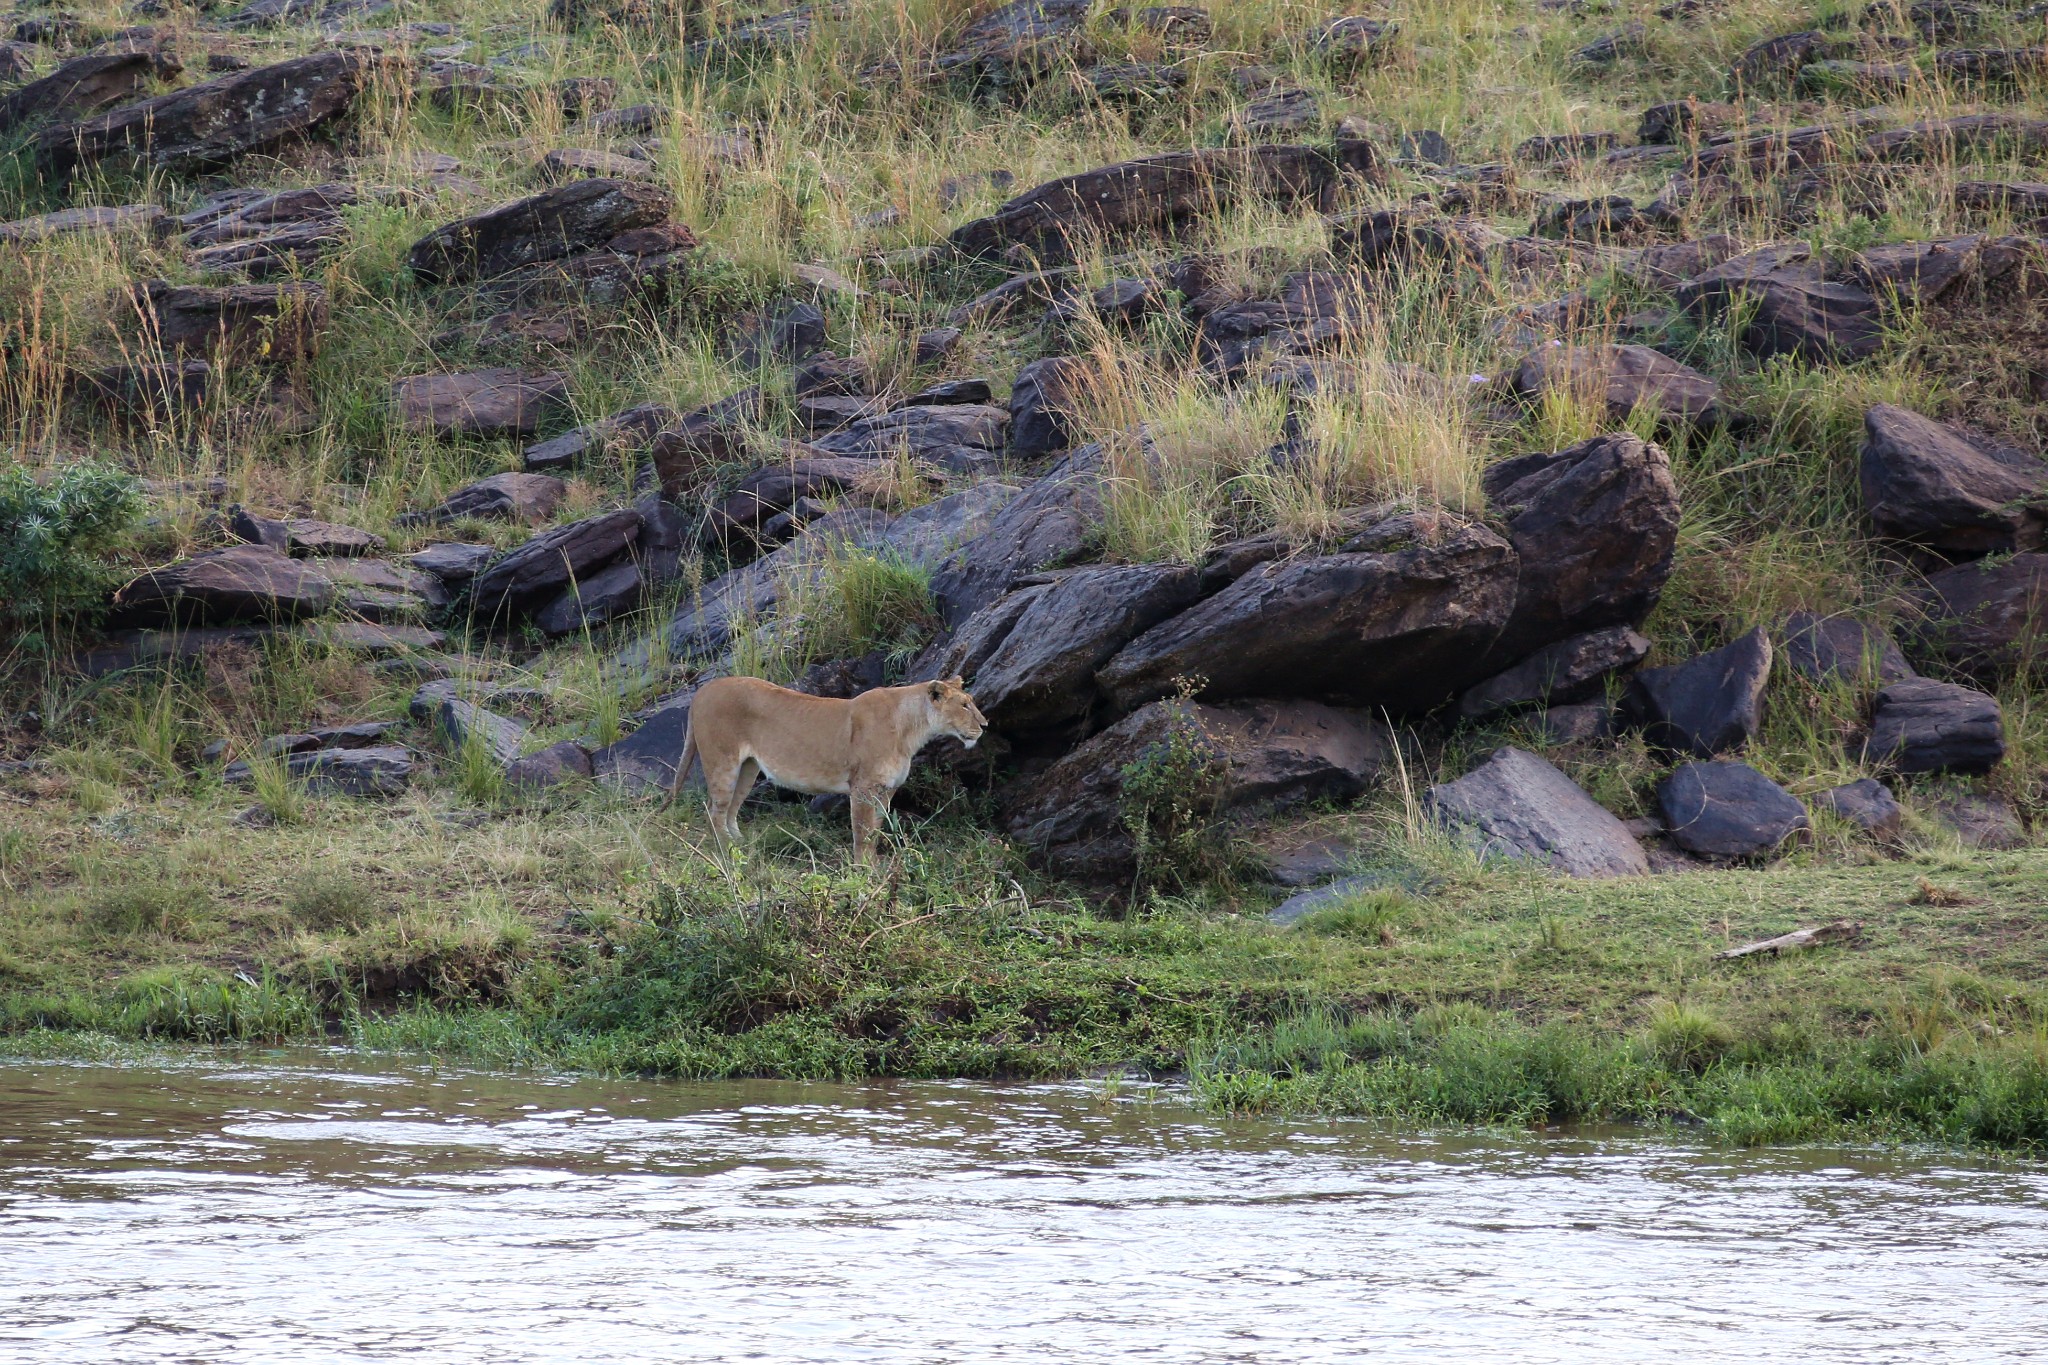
1170 796
50 529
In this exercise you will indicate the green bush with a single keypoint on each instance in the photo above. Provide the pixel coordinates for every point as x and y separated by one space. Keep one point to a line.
50 529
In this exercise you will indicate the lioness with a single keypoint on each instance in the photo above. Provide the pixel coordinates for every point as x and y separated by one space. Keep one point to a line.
861 749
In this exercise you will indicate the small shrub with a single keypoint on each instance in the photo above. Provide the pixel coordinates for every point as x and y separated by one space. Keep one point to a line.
177 909
50 529
1372 915
1169 801
330 900
1688 1039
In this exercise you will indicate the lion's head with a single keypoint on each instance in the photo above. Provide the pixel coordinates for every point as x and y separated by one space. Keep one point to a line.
954 709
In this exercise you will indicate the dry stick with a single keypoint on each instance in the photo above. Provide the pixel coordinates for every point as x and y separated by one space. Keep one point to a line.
1840 931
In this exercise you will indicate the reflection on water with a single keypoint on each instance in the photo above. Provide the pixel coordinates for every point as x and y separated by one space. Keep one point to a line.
296 1207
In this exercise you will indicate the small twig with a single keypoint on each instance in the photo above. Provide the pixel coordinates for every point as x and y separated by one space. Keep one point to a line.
898 925
1840 931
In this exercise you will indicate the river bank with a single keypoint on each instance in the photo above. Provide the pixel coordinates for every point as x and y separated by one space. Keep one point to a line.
599 938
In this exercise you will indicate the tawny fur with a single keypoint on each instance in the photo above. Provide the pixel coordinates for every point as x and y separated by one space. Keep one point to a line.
740 728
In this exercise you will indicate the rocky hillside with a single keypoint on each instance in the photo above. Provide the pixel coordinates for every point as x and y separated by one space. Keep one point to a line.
1602 434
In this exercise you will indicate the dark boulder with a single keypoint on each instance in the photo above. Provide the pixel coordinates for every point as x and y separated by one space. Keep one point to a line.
1840 649
85 84
546 565
687 450
776 488
592 601
1936 486
1401 617
563 761
644 762
1707 705
1047 525
106 218
1042 405
1986 617
379 770
495 402
1626 378
530 498
240 583
1594 527
1726 809
621 433
963 435
144 390
1072 818
561 222
1792 308
274 324
1031 657
1157 193
789 330
207 125
1924 726
1979 821
1917 272
1568 671
1515 805
1019 41
1867 804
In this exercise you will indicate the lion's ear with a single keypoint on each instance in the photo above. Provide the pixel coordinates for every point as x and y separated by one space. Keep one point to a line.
956 681
936 690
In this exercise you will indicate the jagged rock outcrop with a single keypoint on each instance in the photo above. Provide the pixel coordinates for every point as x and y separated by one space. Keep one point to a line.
1073 819
1155 193
207 125
1933 485
1400 617
218 587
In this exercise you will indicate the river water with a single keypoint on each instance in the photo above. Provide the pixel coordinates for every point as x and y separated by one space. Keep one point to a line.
319 1208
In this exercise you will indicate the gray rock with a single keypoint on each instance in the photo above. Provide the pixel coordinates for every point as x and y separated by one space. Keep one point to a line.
553 225
109 219
1867 804
1311 864
1019 41
1987 822
1302 904
1840 649
1047 524
1792 308
1572 724
1568 671
1917 272
440 706
1628 378
1516 805
1156 193
1933 485
927 431
1725 809
1924 726
264 324
453 562
1711 703
623 432
530 498
789 330
1042 403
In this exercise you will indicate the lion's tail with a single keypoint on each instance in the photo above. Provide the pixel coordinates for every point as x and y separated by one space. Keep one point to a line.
687 759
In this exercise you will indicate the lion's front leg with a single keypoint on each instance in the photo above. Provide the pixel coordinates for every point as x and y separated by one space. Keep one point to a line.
870 804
